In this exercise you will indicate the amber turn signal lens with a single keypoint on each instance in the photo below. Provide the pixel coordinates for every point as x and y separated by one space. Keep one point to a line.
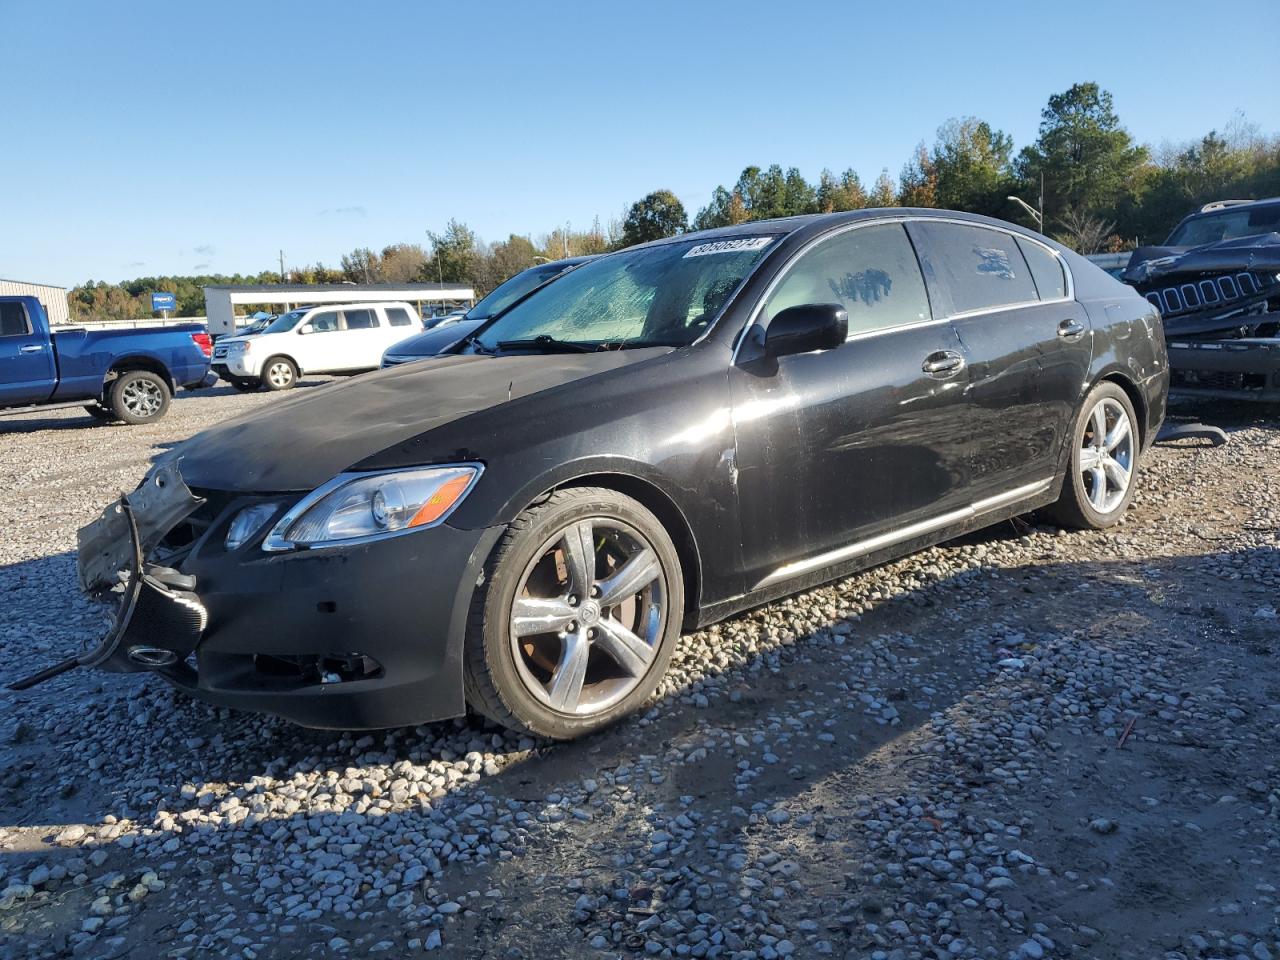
440 501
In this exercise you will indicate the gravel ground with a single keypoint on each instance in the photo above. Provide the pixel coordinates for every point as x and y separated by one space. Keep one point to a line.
1026 743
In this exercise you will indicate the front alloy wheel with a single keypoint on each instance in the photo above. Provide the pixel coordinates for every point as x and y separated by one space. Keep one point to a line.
589 591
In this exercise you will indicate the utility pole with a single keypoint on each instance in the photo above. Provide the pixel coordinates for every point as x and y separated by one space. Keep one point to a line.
282 266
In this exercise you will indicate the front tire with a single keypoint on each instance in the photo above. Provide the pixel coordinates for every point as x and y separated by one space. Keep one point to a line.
244 386
577 616
1103 468
138 396
279 373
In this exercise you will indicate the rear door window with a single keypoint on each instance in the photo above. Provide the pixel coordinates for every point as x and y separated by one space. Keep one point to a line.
13 319
871 271
974 268
360 319
398 317
1046 270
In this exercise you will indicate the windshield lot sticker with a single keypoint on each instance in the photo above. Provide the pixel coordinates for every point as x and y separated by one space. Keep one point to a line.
728 246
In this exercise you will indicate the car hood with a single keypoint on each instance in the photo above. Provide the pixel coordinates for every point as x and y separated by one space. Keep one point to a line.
430 342
302 441
1261 252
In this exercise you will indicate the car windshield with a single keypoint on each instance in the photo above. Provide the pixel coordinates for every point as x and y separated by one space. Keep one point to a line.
1227 225
509 291
667 294
285 322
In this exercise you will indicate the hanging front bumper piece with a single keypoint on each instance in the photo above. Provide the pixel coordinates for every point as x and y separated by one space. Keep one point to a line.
157 619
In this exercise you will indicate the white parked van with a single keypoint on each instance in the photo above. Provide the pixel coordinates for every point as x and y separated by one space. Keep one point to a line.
337 338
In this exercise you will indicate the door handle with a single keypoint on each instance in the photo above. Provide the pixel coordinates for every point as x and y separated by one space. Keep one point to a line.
943 364
31 348
1071 329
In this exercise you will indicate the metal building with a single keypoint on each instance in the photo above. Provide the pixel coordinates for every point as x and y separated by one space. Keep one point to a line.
53 299
220 301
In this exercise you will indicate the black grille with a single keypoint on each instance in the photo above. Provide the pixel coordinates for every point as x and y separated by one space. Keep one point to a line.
1207 293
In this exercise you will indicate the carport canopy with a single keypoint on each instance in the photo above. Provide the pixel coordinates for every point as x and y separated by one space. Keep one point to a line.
220 301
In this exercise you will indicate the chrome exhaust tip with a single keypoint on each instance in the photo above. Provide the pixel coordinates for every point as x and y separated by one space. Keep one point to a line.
152 657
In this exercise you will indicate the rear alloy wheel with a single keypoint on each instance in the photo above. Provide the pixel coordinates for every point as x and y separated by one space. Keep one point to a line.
279 373
138 396
575 626
1104 461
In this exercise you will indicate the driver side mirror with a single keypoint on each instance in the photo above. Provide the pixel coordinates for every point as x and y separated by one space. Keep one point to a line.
306 328
805 328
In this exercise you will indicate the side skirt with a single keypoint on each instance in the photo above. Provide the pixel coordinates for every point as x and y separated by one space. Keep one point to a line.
768 591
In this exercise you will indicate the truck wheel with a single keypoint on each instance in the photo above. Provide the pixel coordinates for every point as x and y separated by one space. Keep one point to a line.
139 396
279 373
99 412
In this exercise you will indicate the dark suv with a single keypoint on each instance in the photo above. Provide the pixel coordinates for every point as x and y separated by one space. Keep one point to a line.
1216 283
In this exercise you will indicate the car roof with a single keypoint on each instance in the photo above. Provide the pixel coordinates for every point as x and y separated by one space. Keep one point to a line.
814 223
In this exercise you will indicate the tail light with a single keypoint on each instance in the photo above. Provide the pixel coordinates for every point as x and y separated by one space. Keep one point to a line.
204 342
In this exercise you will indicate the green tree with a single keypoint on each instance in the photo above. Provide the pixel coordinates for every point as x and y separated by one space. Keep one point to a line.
883 193
1089 161
657 215
835 195
454 254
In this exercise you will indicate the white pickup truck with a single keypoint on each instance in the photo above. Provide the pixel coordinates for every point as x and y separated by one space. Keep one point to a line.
337 338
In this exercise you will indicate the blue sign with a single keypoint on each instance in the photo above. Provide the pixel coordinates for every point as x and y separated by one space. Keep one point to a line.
163 301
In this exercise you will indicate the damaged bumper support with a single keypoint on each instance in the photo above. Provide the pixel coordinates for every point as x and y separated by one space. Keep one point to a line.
308 635
1248 368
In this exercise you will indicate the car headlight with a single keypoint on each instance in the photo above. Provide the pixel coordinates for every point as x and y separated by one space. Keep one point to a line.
240 346
354 507
248 522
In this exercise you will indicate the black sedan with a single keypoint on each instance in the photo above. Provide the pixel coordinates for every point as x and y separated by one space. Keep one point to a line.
662 437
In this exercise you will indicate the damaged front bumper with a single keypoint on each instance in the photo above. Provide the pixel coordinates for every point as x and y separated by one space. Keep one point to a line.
363 637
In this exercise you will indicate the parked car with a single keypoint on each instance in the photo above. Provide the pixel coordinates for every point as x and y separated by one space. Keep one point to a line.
338 338
1216 283
663 437
441 319
126 374
435 339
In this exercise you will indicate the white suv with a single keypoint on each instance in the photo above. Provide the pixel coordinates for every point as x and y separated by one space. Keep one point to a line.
339 338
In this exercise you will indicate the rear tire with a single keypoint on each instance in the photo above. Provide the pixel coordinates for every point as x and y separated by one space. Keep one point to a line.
1102 471
279 373
561 642
138 396
244 386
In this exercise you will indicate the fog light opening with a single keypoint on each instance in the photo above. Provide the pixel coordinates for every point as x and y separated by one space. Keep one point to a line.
152 657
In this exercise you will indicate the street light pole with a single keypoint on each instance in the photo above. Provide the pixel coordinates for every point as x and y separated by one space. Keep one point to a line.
1036 215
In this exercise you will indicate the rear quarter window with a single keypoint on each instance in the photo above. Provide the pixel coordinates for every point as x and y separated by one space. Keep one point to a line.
398 317
976 268
1046 270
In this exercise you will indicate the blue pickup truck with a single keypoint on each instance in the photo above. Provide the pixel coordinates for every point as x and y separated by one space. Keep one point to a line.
128 375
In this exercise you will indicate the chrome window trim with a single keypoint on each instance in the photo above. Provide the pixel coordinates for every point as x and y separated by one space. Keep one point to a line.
859 224
888 539
275 542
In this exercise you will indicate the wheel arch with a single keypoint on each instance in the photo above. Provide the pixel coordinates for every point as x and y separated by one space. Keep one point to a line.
1126 383
654 499
279 355
126 364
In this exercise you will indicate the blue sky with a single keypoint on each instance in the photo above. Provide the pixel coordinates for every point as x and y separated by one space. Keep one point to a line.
173 137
